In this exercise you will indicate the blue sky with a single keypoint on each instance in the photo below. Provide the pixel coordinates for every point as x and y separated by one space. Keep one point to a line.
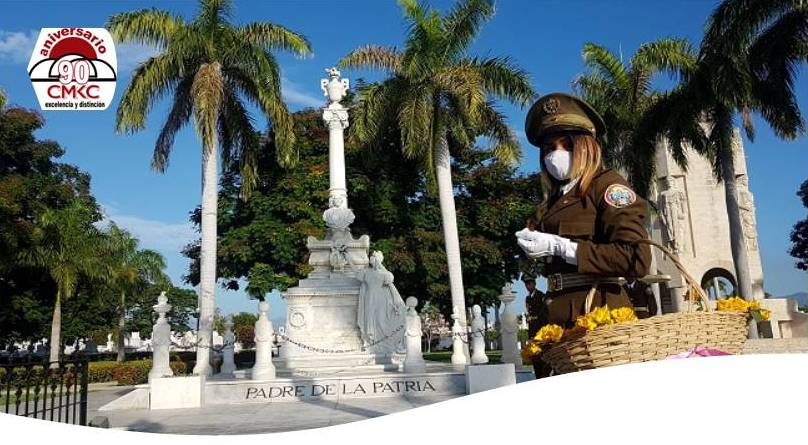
543 37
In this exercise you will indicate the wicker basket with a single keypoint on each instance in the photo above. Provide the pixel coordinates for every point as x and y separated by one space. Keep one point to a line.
652 338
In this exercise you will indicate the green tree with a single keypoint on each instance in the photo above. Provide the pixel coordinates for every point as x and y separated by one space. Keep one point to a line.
141 312
799 235
437 94
211 67
622 92
65 245
31 182
746 63
131 268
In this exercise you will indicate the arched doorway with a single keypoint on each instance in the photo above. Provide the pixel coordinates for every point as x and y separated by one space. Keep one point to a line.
718 283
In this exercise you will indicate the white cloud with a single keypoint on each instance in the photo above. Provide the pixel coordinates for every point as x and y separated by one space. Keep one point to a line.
16 46
294 94
165 237
130 55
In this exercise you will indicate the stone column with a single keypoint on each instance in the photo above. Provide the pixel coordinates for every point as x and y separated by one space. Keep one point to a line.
338 216
510 339
161 340
414 360
478 336
228 353
263 368
458 335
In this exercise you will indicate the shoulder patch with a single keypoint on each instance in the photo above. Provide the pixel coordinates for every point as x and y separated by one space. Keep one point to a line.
619 196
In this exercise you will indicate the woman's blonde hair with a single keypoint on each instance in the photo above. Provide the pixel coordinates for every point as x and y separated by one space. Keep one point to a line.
586 162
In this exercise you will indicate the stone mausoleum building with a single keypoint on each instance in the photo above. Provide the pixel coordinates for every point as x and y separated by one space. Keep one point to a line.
691 217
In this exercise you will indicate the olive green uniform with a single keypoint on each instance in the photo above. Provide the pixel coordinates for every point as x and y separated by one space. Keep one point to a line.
605 231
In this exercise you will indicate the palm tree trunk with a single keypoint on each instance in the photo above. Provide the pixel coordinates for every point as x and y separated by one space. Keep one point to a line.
56 329
736 235
207 262
121 329
443 173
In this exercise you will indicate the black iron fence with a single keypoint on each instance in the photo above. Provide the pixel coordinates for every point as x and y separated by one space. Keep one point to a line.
52 391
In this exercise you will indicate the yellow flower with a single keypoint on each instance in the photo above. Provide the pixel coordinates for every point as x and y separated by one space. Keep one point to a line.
741 305
531 349
754 305
585 322
722 305
765 314
549 333
601 316
623 314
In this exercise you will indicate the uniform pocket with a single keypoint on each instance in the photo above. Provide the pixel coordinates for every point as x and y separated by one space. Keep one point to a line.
576 229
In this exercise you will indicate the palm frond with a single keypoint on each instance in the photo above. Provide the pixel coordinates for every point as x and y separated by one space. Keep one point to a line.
463 23
178 116
603 61
506 148
148 27
212 13
151 80
503 79
373 57
374 106
774 58
415 120
271 36
464 84
239 140
674 56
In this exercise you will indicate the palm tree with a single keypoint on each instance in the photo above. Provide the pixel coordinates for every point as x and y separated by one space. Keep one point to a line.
622 92
65 245
131 268
2 99
210 67
436 94
746 63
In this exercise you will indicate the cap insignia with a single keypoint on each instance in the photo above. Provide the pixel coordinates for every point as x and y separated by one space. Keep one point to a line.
551 106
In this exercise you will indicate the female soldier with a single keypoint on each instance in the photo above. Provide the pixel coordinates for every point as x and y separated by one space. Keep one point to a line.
586 228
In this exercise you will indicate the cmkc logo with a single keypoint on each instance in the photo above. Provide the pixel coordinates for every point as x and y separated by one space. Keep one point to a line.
74 68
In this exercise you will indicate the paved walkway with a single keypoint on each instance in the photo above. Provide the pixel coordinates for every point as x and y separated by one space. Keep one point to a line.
247 418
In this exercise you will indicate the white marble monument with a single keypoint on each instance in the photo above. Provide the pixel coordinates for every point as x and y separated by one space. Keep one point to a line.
510 338
478 356
228 354
330 322
161 340
414 361
458 340
263 368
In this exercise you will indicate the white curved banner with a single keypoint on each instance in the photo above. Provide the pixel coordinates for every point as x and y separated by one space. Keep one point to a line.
743 399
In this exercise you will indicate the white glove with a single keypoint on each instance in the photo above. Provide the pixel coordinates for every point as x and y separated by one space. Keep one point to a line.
538 244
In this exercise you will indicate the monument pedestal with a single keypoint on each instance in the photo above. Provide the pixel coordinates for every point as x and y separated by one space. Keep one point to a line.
322 331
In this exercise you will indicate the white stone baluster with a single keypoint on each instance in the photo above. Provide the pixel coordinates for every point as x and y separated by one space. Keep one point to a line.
263 368
510 340
414 360
161 340
458 333
228 353
478 336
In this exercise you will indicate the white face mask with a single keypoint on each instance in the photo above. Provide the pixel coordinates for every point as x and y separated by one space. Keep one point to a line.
559 164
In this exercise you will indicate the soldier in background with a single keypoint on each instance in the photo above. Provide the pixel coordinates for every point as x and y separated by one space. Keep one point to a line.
536 318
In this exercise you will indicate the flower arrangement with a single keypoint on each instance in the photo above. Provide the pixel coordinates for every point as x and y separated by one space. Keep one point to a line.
552 333
737 304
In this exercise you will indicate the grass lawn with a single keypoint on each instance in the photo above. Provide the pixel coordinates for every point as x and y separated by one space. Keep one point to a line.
446 356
